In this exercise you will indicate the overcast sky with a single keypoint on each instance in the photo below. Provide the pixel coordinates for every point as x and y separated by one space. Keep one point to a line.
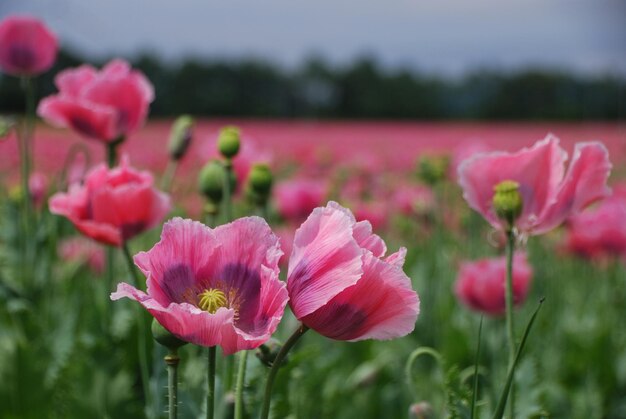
444 36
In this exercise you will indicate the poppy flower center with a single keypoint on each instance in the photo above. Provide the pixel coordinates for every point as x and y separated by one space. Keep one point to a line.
211 300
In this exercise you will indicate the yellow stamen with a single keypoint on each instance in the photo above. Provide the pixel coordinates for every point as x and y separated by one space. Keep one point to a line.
211 300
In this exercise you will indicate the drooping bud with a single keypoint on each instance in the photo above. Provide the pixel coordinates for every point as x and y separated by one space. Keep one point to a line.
180 137
164 337
422 410
211 181
260 183
507 201
229 141
267 352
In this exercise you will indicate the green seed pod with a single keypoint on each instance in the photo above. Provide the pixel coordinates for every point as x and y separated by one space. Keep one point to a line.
229 141
164 337
260 183
180 137
507 201
211 181
268 352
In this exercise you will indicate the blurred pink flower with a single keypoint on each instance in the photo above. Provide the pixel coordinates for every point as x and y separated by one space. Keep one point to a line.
27 46
296 198
113 205
480 284
340 284
410 199
285 235
104 105
81 250
600 231
550 195
216 286
375 212
37 186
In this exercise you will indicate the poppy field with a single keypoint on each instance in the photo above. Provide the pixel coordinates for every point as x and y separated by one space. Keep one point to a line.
237 268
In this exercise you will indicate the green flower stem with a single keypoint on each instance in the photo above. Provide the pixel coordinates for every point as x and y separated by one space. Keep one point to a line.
168 176
172 360
210 395
297 334
142 345
241 378
510 247
228 193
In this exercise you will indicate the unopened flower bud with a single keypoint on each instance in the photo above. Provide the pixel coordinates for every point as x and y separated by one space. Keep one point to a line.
229 141
422 410
211 181
507 201
180 137
268 351
260 183
164 337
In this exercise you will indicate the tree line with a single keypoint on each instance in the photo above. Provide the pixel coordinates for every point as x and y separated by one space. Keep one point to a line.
363 89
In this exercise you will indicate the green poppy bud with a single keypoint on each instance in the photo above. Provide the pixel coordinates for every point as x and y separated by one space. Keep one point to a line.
180 137
229 141
211 181
507 201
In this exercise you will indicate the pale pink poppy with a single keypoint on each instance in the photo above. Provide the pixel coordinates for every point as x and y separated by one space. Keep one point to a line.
481 284
213 287
113 205
549 193
82 250
296 198
341 284
103 105
27 46
599 232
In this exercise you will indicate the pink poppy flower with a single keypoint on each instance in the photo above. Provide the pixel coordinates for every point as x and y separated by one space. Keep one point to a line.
296 198
341 285
213 286
82 250
481 284
104 105
599 232
27 46
549 194
113 205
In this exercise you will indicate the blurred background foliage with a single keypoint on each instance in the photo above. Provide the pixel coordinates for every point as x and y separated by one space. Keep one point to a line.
362 90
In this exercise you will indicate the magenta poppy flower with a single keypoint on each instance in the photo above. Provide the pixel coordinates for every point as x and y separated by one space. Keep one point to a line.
27 46
103 105
481 284
599 232
341 285
296 198
549 194
113 205
216 286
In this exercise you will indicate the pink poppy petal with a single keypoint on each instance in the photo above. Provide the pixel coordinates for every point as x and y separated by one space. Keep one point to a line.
183 256
381 305
184 321
72 81
584 184
397 258
325 259
368 240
